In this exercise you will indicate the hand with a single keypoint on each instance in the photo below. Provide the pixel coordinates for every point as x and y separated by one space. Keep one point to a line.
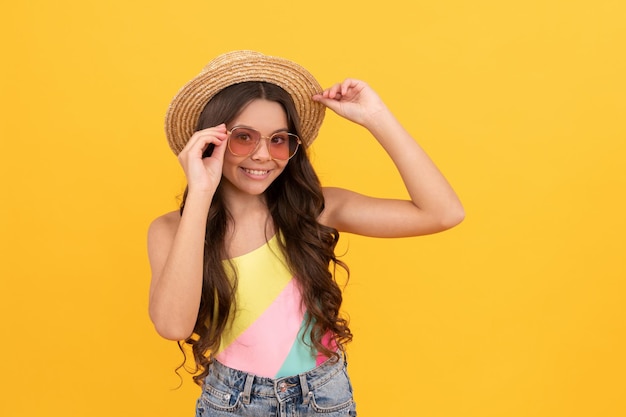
352 99
204 174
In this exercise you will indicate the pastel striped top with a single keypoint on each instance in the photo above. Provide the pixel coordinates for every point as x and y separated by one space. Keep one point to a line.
265 337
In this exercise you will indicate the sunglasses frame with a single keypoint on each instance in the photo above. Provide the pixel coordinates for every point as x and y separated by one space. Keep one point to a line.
269 138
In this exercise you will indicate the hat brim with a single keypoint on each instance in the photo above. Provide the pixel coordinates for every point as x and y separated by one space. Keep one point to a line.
236 67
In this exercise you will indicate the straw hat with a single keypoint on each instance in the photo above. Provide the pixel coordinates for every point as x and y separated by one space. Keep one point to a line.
236 67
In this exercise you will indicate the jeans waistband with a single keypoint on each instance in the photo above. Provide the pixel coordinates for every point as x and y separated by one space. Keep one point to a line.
280 388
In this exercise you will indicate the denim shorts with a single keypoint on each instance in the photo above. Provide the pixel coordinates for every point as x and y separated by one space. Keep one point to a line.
323 391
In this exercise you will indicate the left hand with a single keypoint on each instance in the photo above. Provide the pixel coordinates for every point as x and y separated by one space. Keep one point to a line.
352 99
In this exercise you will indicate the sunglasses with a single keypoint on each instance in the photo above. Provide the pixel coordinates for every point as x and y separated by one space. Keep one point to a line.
244 141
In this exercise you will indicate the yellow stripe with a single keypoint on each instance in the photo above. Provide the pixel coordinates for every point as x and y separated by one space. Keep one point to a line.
262 275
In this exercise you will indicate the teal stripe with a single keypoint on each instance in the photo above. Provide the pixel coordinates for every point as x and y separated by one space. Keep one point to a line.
301 357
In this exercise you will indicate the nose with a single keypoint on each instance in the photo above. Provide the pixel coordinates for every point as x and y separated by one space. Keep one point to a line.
262 151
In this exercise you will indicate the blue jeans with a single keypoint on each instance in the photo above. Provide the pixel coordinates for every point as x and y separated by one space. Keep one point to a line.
325 391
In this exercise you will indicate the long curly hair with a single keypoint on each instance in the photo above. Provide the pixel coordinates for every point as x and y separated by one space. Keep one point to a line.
295 201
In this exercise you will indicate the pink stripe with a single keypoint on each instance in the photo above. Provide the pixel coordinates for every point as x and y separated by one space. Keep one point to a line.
329 342
263 347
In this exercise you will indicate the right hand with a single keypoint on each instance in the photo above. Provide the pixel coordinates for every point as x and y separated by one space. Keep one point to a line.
204 174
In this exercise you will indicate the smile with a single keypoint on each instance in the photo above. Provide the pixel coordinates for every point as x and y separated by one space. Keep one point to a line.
256 171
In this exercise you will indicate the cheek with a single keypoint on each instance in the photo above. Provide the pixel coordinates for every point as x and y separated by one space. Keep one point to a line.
230 161
281 167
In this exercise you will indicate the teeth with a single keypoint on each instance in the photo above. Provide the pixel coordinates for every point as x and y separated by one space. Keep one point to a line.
255 171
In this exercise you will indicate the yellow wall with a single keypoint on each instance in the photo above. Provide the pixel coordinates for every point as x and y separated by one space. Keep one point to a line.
517 312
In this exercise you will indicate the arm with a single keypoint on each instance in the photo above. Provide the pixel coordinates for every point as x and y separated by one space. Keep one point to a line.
433 207
176 243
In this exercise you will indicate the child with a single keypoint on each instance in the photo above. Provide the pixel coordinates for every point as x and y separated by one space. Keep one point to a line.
242 272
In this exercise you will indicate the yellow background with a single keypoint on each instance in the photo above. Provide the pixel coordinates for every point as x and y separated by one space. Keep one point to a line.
520 311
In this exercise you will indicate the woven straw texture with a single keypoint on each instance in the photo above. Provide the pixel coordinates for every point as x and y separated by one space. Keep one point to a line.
236 67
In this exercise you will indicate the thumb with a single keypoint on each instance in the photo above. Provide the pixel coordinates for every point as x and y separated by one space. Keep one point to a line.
332 104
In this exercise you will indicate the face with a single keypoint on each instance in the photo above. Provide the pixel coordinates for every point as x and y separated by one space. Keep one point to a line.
252 174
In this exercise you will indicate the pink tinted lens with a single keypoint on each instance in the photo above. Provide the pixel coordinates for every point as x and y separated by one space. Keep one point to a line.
243 141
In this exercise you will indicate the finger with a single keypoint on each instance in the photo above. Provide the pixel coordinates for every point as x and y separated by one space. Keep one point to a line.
200 140
218 128
331 92
345 86
339 91
331 103
197 151
217 131
212 132
351 87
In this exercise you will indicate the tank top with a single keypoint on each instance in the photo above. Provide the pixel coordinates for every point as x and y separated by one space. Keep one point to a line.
267 334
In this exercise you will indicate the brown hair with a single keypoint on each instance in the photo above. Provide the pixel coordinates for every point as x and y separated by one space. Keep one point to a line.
295 201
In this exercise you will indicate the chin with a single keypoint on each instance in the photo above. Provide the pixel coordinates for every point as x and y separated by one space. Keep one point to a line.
246 188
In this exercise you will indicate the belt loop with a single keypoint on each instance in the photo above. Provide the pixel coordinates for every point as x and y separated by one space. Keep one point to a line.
247 389
305 389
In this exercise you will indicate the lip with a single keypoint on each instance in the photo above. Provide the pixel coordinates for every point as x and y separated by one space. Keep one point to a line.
256 173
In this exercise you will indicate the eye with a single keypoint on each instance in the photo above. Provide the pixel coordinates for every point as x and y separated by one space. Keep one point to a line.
242 135
280 139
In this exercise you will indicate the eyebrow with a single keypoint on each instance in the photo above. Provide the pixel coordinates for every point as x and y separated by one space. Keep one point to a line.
284 129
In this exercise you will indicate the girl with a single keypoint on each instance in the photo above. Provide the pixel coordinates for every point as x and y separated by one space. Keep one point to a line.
242 272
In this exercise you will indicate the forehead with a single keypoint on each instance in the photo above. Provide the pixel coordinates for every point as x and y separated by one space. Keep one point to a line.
263 115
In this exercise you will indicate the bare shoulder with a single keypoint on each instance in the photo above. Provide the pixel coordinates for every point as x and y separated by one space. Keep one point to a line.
161 235
163 227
